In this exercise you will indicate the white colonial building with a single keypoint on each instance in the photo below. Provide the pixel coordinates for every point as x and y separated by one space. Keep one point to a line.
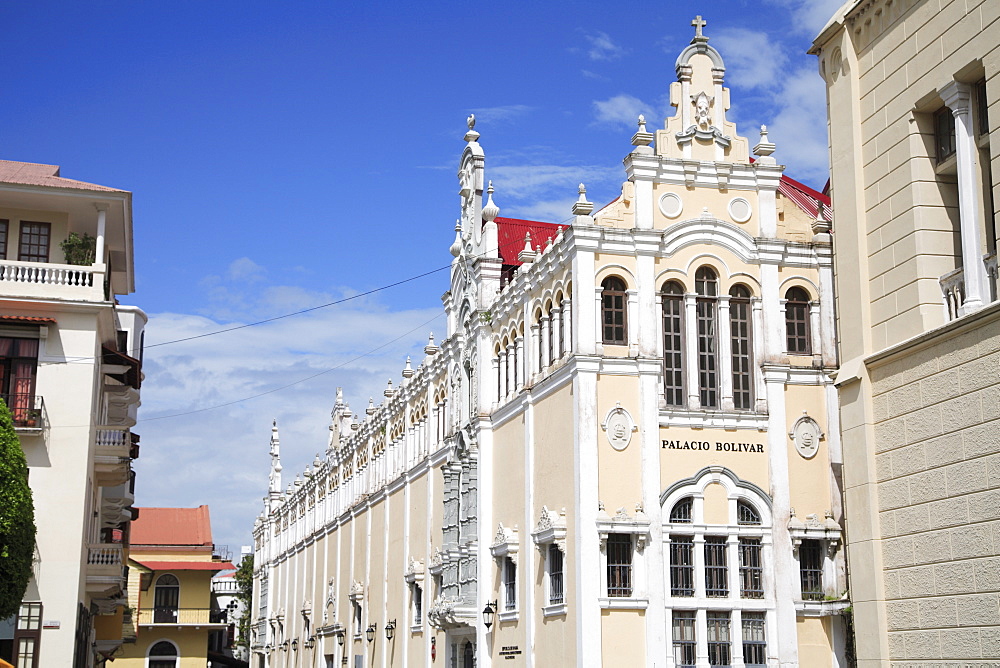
624 451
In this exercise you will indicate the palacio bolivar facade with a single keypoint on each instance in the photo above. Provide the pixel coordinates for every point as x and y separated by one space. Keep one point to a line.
624 451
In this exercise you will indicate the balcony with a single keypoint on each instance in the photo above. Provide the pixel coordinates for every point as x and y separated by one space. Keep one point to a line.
44 280
27 410
105 569
953 288
112 456
182 617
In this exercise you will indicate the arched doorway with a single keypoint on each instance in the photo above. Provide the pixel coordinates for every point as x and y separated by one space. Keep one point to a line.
163 655
165 599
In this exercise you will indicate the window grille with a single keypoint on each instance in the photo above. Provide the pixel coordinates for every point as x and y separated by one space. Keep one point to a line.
746 514
754 640
685 643
740 328
555 575
716 579
418 605
681 566
811 570
34 246
614 302
797 322
509 584
673 344
682 511
751 571
719 653
707 287
619 550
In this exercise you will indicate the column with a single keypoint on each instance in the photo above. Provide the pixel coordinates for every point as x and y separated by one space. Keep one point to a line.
567 344
557 348
520 363
598 319
632 321
773 316
815 334
958 97
102 215
691 351
501 370
510 383
725 355
534 358
544 348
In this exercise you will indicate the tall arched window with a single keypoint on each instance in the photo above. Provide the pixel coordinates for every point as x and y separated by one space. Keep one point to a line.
163 655
166 597
673 344
739 332
797 322
614 302
707 286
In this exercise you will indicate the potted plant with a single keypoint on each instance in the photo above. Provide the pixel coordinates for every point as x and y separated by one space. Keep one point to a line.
79 250
32 418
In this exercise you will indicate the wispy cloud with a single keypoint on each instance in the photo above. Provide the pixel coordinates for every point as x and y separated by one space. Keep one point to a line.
808 16
621 110
219 457
602 47
753 59
501 114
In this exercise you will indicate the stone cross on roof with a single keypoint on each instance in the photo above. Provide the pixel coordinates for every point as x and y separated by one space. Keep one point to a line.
698 24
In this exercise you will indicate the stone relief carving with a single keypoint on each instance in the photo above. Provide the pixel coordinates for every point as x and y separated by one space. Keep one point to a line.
806 435
619 426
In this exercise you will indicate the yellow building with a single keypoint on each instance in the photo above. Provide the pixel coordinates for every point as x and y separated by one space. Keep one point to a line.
624 452
914 96
171 564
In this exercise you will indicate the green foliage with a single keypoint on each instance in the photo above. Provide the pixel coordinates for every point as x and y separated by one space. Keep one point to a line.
17 518
79 250
244 580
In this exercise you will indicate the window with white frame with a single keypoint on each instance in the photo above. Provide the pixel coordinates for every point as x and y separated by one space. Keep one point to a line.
549 536
505 549
623 541
554 570
417 599
509 584
619 550
718 571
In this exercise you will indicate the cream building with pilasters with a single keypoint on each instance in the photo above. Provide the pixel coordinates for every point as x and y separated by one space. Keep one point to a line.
624 452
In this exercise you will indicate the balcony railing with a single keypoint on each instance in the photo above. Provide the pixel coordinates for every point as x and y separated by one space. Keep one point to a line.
188 616
45 279
953 287
105 555
114 442
26 409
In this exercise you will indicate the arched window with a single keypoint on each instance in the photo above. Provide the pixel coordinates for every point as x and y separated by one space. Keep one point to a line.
681 512
163 655
673 344
165 599
707 286
746 514
797 322
739 331
614 302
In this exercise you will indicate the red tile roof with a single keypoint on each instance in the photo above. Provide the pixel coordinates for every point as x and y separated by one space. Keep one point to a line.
805 198
33 174
172 526
27 318
185 565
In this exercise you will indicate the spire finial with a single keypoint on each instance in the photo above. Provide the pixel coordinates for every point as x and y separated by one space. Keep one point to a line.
456 246
582 207
527 254
407 370
430 348
698 24
471 135
490 210
764 148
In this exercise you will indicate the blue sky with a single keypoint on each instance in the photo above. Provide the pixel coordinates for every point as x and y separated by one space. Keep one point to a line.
285 155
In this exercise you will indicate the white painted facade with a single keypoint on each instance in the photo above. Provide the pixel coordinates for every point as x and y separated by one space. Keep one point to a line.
71 376
613 448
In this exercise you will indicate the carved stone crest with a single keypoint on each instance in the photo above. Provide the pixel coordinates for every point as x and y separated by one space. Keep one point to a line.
806 435
619 427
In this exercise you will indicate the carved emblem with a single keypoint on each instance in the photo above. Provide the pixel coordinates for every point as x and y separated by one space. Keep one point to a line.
806 435
619 427
703 110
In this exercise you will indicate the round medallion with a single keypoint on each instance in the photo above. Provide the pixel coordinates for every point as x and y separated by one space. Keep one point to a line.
806 434
740 210
671 205
619 427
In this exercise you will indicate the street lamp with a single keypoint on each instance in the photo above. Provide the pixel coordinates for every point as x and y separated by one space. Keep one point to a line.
390 629
488 612
340 637
370 633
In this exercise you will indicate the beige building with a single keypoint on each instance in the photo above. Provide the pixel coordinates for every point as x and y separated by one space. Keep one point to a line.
624 452
913 89
70 371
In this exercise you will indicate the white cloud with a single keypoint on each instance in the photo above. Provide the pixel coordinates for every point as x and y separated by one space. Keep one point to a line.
602 47
809 16
527 184
798 128
621 110
753 59
501 114
245 269
219 456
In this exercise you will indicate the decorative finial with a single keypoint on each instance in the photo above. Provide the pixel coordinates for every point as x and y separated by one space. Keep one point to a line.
407 370
388 391
430 348
698 24
490 210
764 148
527 254
471 135
371 407
582 207
456 246
641 136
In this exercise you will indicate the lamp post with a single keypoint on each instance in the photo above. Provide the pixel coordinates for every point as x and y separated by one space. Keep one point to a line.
370 633
390 629
488 613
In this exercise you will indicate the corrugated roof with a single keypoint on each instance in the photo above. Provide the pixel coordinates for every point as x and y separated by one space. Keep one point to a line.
172 526
185 565
511 233
34 174
805 198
